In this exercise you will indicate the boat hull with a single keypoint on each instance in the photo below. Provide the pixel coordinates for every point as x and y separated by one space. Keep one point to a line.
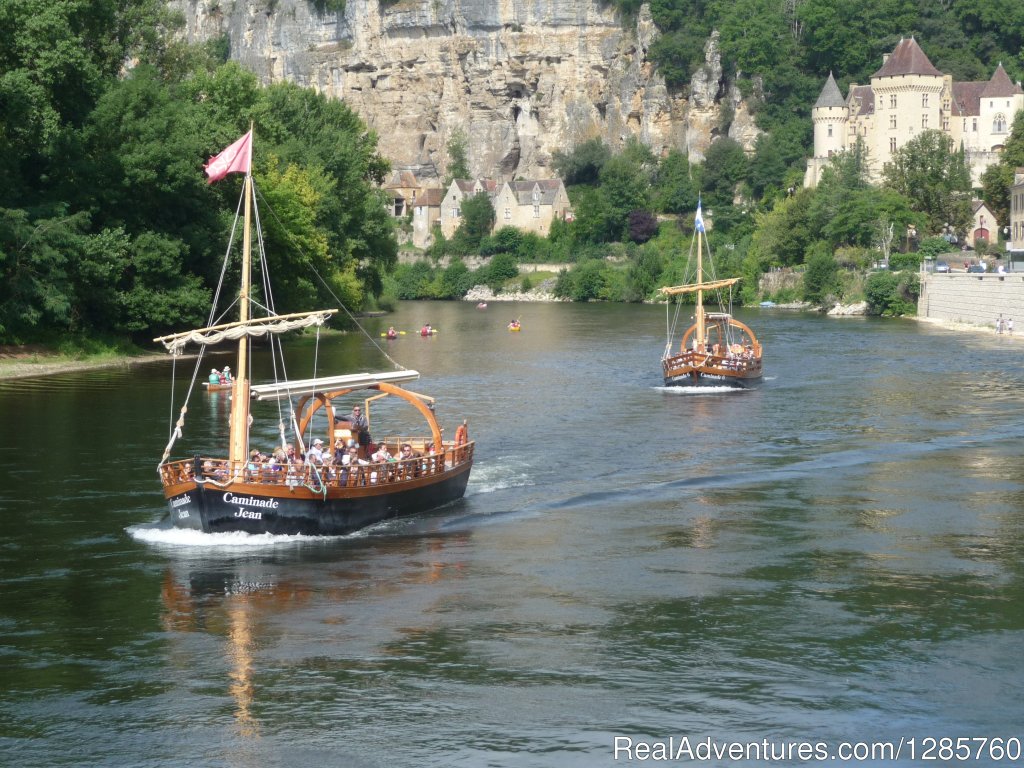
258 509
698 378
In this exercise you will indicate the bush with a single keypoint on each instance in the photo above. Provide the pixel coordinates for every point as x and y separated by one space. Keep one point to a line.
892 295
901 261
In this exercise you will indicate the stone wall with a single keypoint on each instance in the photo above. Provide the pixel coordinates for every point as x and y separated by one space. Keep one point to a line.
973 299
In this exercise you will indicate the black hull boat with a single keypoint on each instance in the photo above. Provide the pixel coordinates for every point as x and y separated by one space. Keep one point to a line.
331 477
255 509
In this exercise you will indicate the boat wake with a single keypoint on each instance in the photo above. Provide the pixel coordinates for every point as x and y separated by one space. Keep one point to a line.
227 540
699 390
497 475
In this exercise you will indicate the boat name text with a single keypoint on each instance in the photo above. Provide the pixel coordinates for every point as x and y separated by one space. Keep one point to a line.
230 498
186 499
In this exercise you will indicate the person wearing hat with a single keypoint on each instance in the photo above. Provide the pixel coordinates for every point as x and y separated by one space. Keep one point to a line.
214 376
316 452
226 375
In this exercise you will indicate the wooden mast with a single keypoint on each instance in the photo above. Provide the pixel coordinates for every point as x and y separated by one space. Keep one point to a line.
238 445
701 341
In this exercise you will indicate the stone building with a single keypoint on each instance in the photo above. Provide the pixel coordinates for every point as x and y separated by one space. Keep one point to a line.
531 205
458 192
425 214
906 96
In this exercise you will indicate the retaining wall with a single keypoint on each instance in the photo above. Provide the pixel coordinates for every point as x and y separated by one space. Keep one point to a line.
975 299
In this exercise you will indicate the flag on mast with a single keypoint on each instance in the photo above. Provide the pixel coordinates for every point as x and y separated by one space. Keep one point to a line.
698 222
235 159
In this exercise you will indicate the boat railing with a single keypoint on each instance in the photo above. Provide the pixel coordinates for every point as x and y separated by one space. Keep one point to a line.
319 477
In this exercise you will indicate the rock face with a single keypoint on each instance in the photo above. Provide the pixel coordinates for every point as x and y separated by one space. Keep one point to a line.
519 78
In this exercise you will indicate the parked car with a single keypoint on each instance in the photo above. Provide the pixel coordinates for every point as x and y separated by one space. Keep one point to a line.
941 266
975 268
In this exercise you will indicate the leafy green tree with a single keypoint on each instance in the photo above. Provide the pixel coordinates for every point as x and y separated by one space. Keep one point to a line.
892 294
456 280
675 184
725 167
642 275
458 157
583 164
927 171
821 279
477 220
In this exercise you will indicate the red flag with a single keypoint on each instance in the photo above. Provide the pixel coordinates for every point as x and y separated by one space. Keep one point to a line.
235 159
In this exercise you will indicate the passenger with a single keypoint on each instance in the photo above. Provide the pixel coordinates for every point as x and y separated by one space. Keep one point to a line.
252 469
214 376
392 333
360 426
316 453
225 375
382 454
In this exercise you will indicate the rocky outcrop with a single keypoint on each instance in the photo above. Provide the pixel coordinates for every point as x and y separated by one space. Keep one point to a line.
519 79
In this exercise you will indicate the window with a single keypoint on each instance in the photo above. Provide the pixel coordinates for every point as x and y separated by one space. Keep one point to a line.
892 145
892 101
536 211
456 213
924 122
508 213
830 130
892 121
924 100
974 125
999 123
945 123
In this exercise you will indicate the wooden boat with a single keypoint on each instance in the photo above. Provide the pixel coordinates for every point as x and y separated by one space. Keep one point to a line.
214 491
716 349
216 387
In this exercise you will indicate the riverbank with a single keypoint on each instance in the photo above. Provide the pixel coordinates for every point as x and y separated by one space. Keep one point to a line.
29 362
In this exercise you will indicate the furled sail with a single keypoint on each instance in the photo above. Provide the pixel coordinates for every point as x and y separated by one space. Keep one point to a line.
256 327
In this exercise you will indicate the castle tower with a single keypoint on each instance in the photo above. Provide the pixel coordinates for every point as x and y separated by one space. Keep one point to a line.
908 100
830 115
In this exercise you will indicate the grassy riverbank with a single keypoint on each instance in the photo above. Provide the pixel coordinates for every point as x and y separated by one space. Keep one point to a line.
19 362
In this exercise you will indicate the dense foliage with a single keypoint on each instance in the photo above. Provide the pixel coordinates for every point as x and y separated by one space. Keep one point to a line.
107 225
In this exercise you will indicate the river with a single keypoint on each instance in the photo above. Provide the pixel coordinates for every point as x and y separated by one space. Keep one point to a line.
834 558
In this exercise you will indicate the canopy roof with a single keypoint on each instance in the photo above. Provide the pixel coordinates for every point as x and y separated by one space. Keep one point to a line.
314 386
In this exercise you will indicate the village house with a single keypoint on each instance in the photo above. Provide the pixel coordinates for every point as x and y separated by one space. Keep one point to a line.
402 187
458 191
983 224
425 214
906 96
531 205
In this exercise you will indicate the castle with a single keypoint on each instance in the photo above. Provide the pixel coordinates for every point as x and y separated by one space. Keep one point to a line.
909 95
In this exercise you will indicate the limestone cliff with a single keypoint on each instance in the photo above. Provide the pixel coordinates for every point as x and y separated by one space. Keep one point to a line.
520 78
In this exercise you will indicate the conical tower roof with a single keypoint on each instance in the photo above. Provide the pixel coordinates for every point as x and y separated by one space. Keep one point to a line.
1000 85
830 96
907 59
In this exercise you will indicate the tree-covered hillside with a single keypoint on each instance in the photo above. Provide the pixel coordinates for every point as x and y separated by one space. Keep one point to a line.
107 226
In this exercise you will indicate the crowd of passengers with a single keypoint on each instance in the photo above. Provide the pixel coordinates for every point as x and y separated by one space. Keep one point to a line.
342 466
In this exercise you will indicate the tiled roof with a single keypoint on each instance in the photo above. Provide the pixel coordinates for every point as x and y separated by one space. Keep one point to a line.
523 190
907 59
967 99
1000 85
830 96
867 99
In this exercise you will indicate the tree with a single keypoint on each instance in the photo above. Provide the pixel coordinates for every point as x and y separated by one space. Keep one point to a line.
725 166
458 162
927 171
583 164
675 184
821 280
477 220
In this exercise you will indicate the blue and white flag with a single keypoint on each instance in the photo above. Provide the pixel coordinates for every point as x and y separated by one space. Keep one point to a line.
698 222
